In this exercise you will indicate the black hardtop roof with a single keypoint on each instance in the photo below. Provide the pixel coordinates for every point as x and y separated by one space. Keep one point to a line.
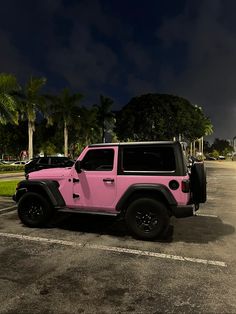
134 143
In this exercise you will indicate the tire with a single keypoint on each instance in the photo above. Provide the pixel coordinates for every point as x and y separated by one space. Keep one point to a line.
147 218
34 210
198 183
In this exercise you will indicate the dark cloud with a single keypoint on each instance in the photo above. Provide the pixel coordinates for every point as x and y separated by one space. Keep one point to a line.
124 49
209 74
11 59
101 54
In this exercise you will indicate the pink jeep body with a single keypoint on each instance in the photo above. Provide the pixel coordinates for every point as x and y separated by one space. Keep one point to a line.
115 179
101 190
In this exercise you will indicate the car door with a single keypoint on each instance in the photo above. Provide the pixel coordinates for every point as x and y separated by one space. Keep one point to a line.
95 187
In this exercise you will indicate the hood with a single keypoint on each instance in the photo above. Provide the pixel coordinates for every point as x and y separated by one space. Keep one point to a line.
51 173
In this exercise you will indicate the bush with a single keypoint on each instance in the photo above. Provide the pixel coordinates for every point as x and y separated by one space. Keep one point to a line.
11 168
215 154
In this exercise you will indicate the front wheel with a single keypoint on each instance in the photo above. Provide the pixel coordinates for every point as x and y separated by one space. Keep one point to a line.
34 210
147 218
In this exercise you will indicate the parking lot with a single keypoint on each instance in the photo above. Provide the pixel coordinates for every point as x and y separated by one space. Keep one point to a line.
90 264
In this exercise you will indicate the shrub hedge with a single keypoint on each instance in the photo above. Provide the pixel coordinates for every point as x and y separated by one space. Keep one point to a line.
11 168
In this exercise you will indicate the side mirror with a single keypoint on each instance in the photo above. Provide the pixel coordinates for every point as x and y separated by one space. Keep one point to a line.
78 166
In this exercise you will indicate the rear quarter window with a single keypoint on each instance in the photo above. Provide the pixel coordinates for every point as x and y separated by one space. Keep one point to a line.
149 159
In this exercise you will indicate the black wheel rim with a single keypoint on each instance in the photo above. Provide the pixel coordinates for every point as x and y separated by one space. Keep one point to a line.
146 220
33 211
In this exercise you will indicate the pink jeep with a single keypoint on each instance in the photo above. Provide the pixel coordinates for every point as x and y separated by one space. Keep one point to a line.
146 183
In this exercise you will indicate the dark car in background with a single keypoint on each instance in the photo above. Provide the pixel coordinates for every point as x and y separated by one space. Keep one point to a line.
39 163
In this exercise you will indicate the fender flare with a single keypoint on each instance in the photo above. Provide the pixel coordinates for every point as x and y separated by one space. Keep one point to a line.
146 188
48 188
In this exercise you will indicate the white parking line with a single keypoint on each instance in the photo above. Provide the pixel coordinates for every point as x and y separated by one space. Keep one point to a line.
207 215
114 249
158 255
6 208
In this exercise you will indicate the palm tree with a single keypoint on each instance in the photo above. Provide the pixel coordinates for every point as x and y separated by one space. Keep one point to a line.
31 103
208 127
104 113
8 103
89 131
64 108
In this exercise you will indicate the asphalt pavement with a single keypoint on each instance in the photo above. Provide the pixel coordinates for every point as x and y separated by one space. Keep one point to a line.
84 264
12 176
6 204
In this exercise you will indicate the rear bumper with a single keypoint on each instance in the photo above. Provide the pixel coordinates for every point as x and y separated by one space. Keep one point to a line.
183 211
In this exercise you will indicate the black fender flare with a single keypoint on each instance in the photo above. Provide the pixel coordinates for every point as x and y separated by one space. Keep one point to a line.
146 188
47 188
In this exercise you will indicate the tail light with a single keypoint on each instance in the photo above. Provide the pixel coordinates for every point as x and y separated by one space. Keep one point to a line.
185 186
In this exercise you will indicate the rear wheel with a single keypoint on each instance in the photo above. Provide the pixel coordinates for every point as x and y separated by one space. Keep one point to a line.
34 210
147 218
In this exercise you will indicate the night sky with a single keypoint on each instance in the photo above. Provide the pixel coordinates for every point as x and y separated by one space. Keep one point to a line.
127 48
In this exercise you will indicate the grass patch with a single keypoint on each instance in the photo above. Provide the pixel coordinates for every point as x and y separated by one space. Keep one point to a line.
8 188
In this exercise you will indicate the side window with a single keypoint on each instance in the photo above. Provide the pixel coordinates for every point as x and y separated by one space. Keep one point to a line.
98 160
56 160
43 161
148 159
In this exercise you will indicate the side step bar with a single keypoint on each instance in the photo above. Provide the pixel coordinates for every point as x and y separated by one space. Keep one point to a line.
82 211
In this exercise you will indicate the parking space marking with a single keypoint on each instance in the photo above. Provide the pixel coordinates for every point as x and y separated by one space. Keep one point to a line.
158 255
6 208
207 215
114 249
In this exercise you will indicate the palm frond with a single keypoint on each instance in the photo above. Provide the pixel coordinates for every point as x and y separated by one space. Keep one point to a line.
8 83
8 111
33 87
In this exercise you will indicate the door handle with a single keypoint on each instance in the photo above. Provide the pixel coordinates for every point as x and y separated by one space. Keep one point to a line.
108 180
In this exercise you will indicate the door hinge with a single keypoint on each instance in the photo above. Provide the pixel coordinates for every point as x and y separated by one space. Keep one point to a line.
75 195
75 180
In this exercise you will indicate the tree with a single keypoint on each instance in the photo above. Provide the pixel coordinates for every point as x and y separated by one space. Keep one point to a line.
30 103
12 138
206 147
222 146
208 126
65 109
89 127
8 104
160 117
48 148
104 114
